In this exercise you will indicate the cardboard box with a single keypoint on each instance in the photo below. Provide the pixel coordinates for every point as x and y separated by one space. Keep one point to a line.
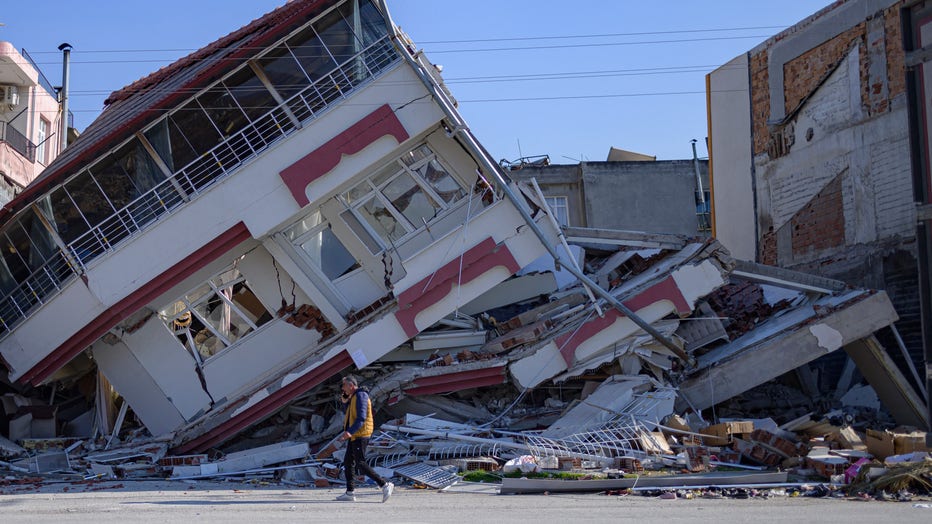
904 443
901 441
720 434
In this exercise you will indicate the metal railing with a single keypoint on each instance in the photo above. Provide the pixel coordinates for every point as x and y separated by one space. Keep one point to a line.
17 141
191 180
43 81
39 287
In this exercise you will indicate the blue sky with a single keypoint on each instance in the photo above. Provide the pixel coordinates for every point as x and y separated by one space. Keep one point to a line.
532 76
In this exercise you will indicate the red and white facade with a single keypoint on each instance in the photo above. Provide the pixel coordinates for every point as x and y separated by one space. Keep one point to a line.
286 203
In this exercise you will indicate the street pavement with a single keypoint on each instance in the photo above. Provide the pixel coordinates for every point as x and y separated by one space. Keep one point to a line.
189 502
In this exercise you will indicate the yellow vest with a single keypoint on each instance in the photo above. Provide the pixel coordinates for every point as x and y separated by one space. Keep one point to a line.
367 427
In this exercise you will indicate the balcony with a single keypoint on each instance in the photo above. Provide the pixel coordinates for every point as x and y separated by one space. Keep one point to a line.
191 180
18 141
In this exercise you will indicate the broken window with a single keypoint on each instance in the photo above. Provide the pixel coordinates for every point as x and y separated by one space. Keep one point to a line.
315 238
404 196
216 314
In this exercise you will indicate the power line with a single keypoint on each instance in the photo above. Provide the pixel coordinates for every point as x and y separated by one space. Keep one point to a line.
429 52
443 42
562 75
605 35
484 100
600 44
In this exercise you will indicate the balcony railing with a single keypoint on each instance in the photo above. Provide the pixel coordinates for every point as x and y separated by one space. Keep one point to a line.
17 141
191 180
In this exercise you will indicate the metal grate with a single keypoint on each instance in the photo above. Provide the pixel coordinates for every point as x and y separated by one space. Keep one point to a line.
435 477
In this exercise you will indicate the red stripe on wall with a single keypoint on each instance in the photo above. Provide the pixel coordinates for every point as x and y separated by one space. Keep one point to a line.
266 406
457 381
354 139
666 289
428 291
129 305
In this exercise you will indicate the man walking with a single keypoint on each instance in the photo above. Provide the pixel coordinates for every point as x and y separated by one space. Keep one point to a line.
358 426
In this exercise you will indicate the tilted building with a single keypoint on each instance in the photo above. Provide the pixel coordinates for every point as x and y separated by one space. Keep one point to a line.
295 198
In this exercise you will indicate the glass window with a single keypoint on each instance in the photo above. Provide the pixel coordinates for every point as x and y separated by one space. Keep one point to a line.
303 226
397 200
329 254
171 145
223 110
310 52
65 217
250 93
408 198
558 204
41 150
127 174
195 130
216 314
86 194
114 182
372 23
284 72
446 187
322 247
381 219
336 34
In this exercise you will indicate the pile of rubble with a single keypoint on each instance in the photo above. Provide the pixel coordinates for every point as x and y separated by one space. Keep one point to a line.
542 386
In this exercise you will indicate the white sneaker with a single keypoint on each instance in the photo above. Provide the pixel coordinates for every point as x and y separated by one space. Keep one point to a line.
387 491
347 497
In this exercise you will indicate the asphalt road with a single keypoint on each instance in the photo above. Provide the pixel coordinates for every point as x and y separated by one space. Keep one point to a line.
187 502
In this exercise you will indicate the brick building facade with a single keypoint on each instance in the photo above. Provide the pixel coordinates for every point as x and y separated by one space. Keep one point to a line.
812 167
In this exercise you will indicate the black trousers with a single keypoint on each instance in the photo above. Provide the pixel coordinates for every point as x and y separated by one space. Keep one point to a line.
355 459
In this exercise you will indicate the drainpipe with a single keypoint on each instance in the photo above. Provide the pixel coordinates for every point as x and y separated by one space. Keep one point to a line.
460 129
698 177
66 62
700 214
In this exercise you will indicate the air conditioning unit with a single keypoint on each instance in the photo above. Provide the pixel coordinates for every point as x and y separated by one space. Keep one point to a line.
9 96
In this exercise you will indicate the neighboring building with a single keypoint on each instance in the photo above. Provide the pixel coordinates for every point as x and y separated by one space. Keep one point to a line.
811 163
30 120
641 194
295 198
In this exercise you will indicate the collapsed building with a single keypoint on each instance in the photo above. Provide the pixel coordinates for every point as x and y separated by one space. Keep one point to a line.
300 199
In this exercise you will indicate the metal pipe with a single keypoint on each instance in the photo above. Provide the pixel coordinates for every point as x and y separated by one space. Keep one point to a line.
460 128
66 63
698 176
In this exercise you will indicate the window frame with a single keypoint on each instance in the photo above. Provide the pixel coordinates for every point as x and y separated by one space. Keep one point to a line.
42 151
375 190
191 306
559 204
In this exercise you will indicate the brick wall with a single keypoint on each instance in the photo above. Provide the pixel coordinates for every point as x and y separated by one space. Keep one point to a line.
820 224
804 73
760 102
896 55
893 187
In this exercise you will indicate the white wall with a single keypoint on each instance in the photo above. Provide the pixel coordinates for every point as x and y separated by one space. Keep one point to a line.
731 158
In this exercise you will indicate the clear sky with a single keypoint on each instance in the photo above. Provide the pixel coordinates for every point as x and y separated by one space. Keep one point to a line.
533 77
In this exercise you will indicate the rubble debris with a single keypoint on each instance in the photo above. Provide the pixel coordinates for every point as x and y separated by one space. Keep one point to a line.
464 402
